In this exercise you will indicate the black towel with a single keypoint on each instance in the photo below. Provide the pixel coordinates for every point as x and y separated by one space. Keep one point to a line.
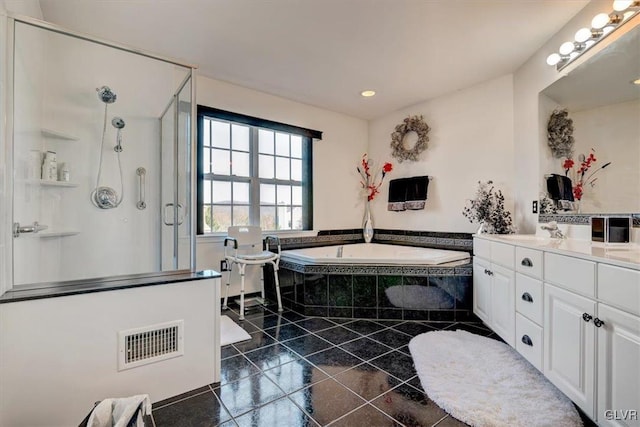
397 194
417 188
560 189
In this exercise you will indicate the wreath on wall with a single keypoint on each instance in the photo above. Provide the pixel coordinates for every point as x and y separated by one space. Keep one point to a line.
410 124
560 134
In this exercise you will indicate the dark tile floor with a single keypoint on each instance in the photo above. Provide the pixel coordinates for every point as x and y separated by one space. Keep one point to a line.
309 371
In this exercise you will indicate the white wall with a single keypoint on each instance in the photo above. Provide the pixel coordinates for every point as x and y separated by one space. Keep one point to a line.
471 139
60 355
335 187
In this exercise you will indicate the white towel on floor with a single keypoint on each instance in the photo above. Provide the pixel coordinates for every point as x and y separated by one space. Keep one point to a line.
118 412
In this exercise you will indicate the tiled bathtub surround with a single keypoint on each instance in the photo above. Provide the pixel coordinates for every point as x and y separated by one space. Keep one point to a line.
409 292
581 219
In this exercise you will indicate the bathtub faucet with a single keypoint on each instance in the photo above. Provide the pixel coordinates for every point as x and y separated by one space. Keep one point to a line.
339 254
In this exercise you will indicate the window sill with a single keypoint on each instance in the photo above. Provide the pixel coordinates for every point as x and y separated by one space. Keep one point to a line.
219 237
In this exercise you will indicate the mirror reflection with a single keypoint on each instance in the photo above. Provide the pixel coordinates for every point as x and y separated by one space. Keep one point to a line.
602 99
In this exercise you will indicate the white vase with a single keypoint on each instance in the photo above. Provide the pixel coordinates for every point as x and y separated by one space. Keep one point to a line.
481 229
367 224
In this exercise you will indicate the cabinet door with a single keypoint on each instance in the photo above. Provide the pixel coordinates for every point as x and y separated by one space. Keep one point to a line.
482 290
618 368
569 345
503 306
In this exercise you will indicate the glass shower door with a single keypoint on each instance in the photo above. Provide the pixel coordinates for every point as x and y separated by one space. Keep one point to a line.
175 182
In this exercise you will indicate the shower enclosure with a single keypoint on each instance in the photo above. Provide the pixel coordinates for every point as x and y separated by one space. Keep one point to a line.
100 139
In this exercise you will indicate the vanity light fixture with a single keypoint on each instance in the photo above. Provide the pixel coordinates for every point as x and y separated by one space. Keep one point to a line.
368 93
601 25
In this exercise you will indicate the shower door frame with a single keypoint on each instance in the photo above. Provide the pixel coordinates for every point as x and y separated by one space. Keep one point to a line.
7 116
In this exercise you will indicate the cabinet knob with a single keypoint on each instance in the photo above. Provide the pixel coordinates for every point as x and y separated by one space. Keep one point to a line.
527 297
526 262
527 340
586 317
598 322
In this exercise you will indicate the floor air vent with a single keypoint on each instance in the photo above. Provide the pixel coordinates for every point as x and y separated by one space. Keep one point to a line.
150 344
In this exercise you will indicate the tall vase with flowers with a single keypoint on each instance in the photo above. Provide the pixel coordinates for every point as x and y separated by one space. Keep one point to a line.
579 177
371 181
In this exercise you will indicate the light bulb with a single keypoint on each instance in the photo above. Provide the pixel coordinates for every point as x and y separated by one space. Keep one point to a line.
620 5
582 35
600 21
566 48
553 59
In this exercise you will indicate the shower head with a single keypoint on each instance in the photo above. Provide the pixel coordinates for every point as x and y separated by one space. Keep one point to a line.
117 122
106 95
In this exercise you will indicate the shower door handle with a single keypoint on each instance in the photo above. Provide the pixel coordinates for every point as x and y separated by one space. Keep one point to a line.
165 216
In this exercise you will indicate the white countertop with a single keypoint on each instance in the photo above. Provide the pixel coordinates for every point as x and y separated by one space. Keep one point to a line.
623 255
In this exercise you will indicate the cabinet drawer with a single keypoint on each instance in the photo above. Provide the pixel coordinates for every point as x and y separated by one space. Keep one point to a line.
529 341
482 248
502 254
619 287
529 297
570 273
529 262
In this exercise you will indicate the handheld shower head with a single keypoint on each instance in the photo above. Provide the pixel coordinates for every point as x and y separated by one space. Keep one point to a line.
106 95
117 122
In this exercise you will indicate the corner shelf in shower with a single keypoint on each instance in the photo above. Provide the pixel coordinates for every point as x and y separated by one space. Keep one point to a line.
46 183
62 233
54 134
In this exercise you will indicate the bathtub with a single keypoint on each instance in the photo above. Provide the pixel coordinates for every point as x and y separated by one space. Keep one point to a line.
373 254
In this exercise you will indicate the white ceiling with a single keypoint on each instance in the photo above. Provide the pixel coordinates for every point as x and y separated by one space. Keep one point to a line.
325 52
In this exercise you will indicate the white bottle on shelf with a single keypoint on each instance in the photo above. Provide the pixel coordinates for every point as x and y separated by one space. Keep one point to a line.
50 166
63 172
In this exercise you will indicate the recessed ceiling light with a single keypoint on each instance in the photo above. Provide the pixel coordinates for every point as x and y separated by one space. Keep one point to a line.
636 82
368 93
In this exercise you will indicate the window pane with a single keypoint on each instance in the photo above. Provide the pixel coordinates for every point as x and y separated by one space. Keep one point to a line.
296 197
220 136
297 219
240 193
240 163
296 170
206 133
296 146
284 218
221 192
267 194
282 144
206 192
240 137
266 167
241 215
205 160
265 141
221 218
282 168
268 218
284 194
206 215
220 160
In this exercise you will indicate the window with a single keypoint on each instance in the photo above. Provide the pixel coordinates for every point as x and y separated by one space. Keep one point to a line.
253 172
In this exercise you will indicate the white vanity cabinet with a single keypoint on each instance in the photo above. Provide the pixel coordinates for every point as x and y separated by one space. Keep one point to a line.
576 317
494 287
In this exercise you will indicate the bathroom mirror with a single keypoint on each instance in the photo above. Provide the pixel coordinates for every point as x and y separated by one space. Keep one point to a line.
85 117
604 104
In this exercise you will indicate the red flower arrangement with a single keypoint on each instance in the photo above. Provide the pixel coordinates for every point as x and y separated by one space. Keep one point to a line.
580 180
369 179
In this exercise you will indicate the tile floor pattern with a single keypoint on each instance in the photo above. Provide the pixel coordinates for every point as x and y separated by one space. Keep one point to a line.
310 371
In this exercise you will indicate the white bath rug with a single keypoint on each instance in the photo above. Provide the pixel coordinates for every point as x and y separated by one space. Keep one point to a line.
484 382
230 332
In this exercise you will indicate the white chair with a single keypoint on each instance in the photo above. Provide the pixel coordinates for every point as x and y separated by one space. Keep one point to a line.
248 249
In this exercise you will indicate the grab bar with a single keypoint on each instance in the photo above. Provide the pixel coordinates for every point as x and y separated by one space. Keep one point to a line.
141 173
